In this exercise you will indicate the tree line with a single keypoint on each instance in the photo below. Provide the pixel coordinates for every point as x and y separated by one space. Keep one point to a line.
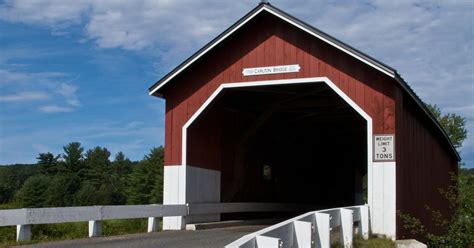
83 178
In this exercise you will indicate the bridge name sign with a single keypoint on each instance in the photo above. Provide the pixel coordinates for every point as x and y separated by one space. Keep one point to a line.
270 70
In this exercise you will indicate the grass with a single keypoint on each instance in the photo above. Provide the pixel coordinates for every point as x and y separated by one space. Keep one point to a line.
374 243
56 232
371 243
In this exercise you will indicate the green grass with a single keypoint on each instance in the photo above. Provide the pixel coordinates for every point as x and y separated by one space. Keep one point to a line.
65 231
374 243
371 243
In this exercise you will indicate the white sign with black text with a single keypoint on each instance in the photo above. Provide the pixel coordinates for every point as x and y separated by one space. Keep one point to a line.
384 147
270 70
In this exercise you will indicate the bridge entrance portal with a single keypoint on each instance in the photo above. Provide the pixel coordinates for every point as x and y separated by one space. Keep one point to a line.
286 143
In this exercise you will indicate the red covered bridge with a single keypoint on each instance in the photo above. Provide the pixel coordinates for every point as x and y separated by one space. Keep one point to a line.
274 110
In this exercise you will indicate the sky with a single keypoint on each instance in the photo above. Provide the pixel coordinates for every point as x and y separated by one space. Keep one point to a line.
79 70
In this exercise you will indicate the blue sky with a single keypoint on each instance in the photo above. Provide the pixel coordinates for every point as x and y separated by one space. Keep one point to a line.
79 70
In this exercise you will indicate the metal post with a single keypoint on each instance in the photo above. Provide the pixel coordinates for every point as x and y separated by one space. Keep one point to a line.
303 233
347 227
264 241
153 223
95 228
23 232
323 236
364 222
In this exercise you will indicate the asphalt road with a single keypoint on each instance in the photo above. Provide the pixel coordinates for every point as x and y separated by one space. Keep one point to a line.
201 238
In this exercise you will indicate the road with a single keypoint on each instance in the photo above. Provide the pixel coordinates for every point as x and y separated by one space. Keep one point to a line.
176 239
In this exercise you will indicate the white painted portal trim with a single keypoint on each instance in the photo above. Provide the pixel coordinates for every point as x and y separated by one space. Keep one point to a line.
326 80
283 18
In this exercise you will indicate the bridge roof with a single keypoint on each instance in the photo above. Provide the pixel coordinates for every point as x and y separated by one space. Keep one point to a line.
265 7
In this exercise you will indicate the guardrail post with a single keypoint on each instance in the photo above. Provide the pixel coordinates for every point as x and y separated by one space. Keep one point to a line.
364 222
303 233
264 241
347 227
23 232
153 224
95 228
323 238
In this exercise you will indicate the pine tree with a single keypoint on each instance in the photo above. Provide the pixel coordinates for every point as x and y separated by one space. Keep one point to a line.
48 163
122 165
61 190
32 193
121 169
97 166
73 157
146 180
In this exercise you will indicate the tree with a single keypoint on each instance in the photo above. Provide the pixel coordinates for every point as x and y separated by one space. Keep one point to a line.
97 166
73 156
61 190
122 165
453 124
48 163
12 178
155 161
146 180
32 194
121 169
85 196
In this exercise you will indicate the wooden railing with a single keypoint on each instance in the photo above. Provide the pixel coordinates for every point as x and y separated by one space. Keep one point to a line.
25 217
312 229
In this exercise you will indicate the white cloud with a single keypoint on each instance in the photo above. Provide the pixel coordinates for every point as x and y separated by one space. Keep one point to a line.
32 86
55 109
16 77
8 77
69 92
431 43
55 12
25 96
132 25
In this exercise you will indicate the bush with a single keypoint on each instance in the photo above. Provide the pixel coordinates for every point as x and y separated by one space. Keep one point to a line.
460 226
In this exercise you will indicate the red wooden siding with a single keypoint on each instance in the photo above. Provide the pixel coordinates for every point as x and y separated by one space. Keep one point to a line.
267 41
423 165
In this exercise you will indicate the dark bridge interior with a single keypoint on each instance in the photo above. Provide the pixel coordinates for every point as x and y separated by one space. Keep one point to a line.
297 143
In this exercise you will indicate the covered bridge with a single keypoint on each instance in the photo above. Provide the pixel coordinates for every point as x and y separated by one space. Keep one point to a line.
274 110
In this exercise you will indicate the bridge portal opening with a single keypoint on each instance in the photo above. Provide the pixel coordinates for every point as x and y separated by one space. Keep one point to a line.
289 143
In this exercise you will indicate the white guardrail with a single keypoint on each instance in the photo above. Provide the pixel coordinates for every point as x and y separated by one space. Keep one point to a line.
311 229
25 217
